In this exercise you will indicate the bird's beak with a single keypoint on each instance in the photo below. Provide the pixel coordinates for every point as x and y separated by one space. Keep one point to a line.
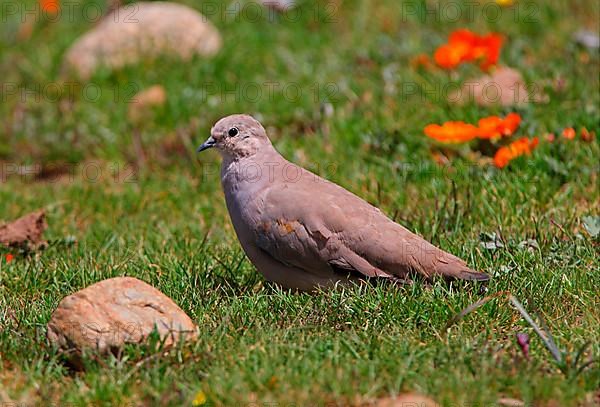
210 142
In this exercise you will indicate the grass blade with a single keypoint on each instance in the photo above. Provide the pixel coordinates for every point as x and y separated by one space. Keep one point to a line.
545 336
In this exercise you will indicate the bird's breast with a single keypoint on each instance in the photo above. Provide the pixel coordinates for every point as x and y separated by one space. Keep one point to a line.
242 189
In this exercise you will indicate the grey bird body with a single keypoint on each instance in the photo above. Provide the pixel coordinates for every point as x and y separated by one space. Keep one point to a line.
304 232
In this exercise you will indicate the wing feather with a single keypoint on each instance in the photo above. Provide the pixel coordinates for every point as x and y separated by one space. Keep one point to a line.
318 226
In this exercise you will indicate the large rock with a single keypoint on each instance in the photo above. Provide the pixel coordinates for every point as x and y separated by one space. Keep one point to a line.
143 30
113 312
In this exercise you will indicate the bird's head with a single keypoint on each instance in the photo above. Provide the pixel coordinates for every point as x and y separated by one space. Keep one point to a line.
236 136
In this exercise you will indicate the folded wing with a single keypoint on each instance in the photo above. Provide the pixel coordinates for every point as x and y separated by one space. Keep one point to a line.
320 227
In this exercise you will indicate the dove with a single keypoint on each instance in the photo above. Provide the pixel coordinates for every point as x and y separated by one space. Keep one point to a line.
306 233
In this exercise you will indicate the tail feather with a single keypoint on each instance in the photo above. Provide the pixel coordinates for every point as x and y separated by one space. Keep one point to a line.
453 268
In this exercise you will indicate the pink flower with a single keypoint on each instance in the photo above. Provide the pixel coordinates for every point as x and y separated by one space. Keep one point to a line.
523 341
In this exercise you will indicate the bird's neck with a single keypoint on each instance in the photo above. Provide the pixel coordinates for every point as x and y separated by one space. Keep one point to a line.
254 168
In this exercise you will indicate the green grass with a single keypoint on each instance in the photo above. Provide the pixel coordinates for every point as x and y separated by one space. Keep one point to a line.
168 224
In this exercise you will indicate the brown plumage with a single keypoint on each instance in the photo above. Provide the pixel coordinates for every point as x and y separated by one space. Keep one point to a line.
302 231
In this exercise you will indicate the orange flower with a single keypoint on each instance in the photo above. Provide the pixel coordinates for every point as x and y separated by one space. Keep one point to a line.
458 49
50 6
449 57
463 36
569 133
421 60
9 257
451 132
489 127
487 50
502 157
587 135
510 124
494 127
466 46
515 149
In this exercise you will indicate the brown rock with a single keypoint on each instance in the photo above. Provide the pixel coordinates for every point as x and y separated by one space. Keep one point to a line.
25 232
143 30
405 400
505 86
113 312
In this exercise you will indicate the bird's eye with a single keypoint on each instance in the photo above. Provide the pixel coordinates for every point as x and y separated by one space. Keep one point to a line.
233 132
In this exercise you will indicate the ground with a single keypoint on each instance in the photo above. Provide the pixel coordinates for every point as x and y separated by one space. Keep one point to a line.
135 200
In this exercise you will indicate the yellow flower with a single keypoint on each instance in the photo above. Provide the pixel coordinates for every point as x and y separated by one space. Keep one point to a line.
505 3
199 399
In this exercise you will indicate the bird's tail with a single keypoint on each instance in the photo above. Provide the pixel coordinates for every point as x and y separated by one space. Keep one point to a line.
453 268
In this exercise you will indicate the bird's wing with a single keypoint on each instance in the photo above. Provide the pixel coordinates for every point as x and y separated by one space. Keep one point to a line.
318 226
